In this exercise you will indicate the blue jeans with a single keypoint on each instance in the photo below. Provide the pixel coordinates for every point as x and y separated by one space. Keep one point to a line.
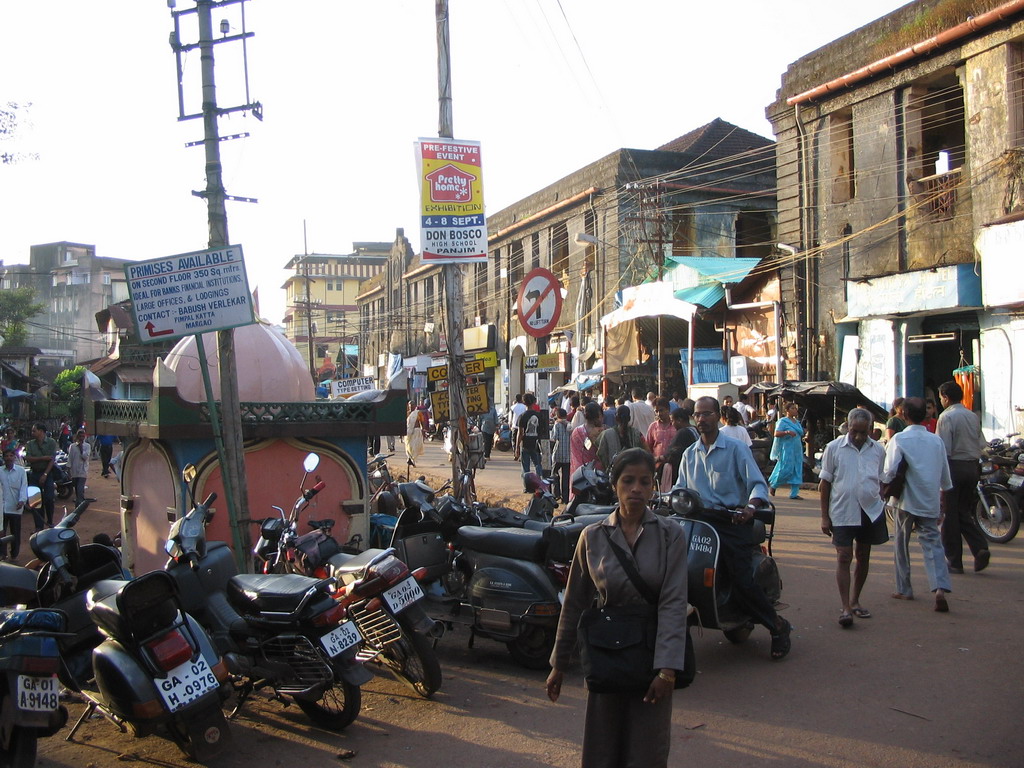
931 547
527 455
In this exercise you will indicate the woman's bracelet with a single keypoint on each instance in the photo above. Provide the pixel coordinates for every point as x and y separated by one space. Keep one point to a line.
667 678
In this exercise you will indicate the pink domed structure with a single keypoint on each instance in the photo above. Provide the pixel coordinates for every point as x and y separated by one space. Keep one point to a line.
270 368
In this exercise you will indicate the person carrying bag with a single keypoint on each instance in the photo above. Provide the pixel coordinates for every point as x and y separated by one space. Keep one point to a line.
631 725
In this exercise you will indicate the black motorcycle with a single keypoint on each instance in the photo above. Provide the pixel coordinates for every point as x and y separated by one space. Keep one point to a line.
282 631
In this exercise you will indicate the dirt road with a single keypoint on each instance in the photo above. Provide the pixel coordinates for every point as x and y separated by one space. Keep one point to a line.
908 688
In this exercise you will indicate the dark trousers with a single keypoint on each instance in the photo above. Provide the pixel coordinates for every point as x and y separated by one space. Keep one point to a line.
736 541
488 443
79 485
12 527
958 505
106 451
561 474
43 515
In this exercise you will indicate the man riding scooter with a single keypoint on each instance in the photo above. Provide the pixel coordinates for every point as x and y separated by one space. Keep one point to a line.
723 472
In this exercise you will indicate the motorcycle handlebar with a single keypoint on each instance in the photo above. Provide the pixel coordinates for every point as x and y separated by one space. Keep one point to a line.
309 493
210 499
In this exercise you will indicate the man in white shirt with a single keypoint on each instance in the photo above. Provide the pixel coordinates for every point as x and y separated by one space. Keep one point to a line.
926 473
517 410
852 508
745 411
641 415
14 493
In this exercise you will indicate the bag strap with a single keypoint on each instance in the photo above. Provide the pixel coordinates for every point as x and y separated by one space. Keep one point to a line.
630 568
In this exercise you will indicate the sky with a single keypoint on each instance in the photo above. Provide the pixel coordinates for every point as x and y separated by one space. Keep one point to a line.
547 86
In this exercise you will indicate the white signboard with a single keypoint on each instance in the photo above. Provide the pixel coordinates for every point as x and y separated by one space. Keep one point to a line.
738 371
342 387
189 294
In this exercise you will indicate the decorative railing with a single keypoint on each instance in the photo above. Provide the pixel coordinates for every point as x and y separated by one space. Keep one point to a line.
297 413
126 411
940 194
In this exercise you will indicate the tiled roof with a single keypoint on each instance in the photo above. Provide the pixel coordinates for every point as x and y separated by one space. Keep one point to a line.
717 140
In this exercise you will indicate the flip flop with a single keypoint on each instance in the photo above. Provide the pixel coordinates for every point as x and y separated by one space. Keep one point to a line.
901 596
781 642
861 613
846 620
940 604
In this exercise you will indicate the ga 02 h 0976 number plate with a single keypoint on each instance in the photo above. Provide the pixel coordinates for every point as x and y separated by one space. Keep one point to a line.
186 683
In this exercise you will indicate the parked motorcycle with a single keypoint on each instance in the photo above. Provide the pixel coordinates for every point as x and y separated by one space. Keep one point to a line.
1000 492
709 587
29 702
282 631
129 648
379 594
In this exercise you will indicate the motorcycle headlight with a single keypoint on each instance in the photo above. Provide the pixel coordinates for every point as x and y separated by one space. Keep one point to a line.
685 502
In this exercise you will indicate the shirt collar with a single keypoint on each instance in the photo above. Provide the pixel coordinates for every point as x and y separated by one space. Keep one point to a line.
846 441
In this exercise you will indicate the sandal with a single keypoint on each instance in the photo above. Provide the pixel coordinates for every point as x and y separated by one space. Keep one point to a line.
846 620
781 642
861 613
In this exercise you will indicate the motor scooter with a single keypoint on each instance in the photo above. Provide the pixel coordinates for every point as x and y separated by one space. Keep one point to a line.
709 587
282 631
129 648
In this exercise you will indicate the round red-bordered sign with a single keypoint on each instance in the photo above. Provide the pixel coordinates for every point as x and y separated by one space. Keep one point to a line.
540 302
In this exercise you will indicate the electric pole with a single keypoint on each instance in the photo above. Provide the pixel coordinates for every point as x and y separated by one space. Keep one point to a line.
452 272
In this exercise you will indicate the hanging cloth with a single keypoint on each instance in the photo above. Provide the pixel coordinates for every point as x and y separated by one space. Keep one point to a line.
967 377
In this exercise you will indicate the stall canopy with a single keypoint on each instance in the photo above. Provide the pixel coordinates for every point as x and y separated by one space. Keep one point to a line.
622 346
823 397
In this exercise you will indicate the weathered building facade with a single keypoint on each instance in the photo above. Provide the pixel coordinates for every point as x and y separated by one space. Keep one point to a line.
899 172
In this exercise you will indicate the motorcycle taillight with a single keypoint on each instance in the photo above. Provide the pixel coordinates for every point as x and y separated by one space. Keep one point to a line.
390 569
561 572
45 665
330 617
171 650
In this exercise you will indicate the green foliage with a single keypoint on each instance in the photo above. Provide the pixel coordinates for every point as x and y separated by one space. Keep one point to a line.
16 307
67 390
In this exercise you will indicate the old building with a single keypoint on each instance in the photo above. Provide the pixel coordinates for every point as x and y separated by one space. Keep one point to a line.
321 317
899 171
73 284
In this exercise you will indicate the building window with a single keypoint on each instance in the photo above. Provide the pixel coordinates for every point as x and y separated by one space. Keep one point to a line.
936 146
560 249
1015 93
846 266
840 138
106 278
515 267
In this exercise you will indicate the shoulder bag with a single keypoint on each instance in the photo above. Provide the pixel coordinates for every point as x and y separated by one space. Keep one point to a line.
894 488
617 642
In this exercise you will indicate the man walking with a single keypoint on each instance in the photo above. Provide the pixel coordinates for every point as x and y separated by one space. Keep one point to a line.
40 453
927 472
514 413
14 495
851 507
528 436
641 414
78 464
488 426
960 430
723 472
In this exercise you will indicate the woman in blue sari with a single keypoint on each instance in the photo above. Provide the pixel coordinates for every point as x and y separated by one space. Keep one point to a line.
788 453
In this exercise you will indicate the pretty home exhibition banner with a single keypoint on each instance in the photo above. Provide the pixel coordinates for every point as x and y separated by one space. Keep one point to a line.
452 225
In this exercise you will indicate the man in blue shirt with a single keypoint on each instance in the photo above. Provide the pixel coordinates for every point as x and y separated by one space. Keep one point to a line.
723 471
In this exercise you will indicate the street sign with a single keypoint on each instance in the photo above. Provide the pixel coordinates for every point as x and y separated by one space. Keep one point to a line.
189 294
540 302
440 372
738 371
477 403
439 406
453 227
341 387
490 358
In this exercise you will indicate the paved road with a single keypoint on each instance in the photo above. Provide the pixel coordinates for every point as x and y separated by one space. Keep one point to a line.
909 688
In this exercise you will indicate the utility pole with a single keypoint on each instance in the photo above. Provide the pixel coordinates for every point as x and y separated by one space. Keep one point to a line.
452 272
228 433
657 245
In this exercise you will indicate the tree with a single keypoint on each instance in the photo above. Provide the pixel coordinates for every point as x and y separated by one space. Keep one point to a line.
16 307
67 389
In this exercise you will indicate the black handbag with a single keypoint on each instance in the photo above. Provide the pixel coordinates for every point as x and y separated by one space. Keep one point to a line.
894 488
617 642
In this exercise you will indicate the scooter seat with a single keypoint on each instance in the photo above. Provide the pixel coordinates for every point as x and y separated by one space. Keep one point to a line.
135 608
518 543
270 593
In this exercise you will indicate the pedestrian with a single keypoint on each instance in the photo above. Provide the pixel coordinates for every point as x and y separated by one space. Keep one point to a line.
620 437
528 435
641 414
488 426
896 422
10 441
734 429
584 439
931 419
628 729
561 455
64 435
746 412
788 453
413 435
608 415
686 435
960 430
14 492
659 437
926 473
78 465
40 453
852 508
106 452
514 412
722 471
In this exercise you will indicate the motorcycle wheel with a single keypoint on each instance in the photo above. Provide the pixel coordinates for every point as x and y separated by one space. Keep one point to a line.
65 491
336 708
738 634
1000 520
22 751
412 660
532 649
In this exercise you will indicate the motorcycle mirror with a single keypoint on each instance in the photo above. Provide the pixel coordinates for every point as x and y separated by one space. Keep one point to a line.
188 474
311 462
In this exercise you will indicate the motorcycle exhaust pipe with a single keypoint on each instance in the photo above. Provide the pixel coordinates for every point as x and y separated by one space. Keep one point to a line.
423 624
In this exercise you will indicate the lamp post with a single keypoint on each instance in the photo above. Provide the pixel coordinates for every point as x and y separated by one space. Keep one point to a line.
587 239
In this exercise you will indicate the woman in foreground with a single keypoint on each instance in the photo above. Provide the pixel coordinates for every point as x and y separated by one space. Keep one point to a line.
628 729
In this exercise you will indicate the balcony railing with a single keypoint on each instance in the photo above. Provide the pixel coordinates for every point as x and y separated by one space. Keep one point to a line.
939 194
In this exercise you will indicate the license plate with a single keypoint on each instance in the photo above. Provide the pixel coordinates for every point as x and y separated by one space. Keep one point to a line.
186 683
37 694
403 595
341 638
1015 481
